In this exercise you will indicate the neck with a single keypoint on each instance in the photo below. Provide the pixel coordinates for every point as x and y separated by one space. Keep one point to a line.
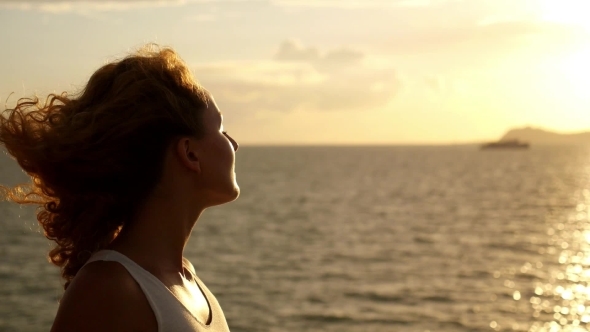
155 238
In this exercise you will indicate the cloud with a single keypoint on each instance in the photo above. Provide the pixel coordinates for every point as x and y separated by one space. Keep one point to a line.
488 36
341 58
435 83
201 17
446 86
293 51
65 6
362 3
300 78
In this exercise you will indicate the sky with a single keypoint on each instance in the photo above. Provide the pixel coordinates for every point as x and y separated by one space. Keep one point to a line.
329 71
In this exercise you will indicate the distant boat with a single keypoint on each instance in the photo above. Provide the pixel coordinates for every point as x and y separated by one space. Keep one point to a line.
506 144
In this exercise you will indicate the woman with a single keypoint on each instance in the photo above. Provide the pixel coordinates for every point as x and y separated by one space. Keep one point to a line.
122 171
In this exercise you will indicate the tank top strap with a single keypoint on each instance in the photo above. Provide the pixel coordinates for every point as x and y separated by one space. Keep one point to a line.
170 313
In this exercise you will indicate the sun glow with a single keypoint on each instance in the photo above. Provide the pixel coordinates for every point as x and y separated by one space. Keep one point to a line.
574 12
576 70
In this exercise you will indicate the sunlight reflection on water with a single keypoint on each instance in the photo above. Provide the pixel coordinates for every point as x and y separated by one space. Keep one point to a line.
562 301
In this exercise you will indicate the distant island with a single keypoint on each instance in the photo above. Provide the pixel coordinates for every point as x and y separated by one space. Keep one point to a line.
536 136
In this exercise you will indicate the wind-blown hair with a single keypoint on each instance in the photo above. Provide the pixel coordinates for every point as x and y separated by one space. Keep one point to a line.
94 157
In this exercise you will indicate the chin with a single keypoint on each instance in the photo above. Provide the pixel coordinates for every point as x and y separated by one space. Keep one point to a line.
227 196
236 193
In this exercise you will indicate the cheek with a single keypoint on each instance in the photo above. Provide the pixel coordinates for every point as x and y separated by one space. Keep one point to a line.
223 154
227 149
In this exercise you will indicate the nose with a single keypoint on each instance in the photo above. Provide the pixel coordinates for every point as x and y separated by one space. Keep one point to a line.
233 143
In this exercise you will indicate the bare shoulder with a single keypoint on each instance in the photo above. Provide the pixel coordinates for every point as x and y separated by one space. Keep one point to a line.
104 297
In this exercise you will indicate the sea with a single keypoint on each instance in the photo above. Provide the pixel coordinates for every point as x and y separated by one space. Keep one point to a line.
362 239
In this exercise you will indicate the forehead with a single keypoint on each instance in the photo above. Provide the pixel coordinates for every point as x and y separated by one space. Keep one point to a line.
212 112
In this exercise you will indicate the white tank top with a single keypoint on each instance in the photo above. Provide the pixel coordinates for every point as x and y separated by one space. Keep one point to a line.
171 314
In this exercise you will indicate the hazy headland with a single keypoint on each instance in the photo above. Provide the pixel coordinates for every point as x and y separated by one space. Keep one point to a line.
538 136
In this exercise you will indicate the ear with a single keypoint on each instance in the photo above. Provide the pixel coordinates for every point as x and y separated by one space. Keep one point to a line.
186 150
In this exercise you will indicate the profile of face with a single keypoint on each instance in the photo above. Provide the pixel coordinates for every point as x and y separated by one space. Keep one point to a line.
216 159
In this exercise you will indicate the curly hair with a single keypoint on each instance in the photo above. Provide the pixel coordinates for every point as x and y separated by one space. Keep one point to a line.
94 158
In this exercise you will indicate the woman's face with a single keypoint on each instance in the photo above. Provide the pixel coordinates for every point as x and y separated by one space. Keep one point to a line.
217 158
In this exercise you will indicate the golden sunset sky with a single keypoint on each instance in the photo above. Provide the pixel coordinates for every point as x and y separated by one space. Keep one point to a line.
330 71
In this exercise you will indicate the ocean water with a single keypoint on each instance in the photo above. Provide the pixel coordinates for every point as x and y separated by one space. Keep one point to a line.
369 239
